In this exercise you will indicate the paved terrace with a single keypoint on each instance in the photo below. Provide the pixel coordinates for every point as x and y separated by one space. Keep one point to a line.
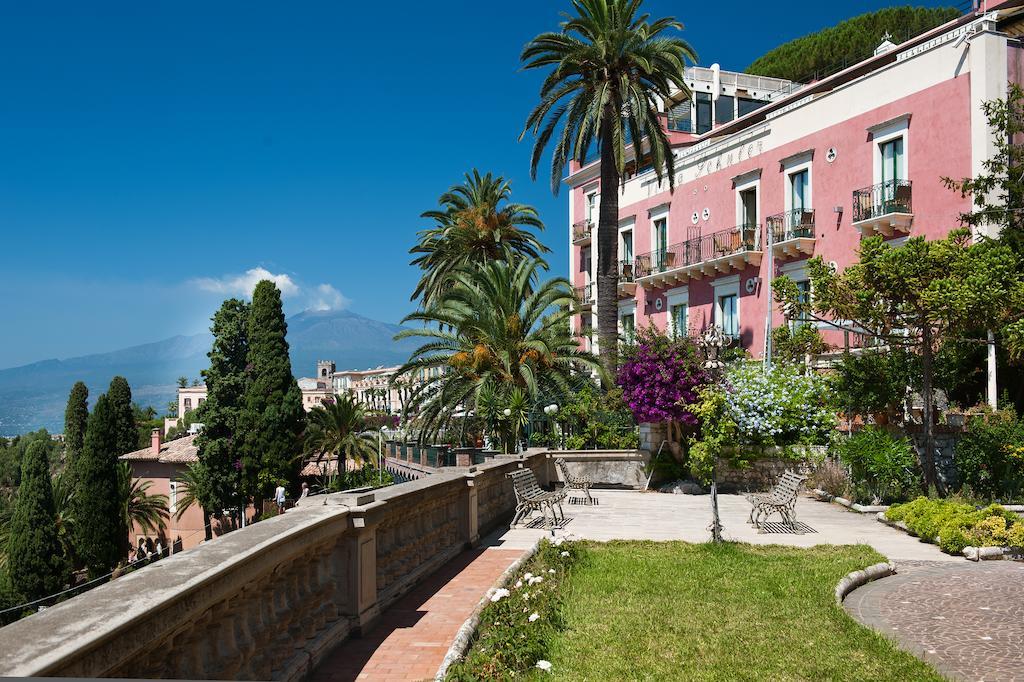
376 586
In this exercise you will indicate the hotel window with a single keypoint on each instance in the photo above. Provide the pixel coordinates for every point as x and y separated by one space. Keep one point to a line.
748 207
703 112
660 242
188 404
730 321
680 319
804 287
745 106
892 160
592 207
628 322
172 498
627 246
724 109
679 117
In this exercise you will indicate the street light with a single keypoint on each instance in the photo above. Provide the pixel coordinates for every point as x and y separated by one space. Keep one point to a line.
380 454
551 410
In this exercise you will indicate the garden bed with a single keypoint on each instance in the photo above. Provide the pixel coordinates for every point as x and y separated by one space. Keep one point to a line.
991 532
627 610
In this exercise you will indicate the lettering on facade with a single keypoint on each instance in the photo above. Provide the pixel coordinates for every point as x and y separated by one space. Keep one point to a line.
725 159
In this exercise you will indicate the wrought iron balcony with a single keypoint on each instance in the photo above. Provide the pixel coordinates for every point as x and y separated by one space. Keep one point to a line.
586 295
627 278
703 256
792 232
884 208
581 232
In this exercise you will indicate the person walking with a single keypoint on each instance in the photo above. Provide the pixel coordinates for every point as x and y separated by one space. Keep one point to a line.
279 496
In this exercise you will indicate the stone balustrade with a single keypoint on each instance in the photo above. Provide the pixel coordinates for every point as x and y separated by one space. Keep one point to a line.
271 600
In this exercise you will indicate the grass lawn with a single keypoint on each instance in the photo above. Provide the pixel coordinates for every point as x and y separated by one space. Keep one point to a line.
645 610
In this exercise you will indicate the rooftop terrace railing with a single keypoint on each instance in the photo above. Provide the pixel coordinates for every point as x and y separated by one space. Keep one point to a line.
740 239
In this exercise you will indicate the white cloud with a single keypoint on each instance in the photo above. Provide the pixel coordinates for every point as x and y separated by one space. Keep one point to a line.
243 285
326 297
320 297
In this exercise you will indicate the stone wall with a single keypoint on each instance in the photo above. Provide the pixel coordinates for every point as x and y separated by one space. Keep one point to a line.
604 468
271 600
763 473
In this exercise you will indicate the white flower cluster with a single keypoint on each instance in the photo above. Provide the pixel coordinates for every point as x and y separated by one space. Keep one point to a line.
779 406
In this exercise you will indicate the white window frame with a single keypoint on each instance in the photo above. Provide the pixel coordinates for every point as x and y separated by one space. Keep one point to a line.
627 225
801 163
797 271
888 133
172 496
628 308
674 297
727 286
654 215
587 194
743 186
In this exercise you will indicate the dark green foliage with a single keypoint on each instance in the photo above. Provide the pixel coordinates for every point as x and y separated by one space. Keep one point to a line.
874 381
818 54
99 531
12 452
366 476
219 446
146 420
990 456
793 345
273 418
126 436
35 558
882 465
596 419
75 417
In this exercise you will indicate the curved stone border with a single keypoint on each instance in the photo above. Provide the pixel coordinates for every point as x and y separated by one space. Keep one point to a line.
855 579
464 637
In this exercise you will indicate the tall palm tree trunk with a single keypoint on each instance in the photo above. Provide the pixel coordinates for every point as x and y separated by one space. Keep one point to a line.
608 253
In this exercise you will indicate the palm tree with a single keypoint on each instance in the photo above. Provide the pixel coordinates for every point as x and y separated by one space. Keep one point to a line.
336 430
63 489
610 70
492 331
196 487
475 223
138 507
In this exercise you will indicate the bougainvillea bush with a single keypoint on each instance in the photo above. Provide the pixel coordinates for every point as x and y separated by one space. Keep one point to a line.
660 376
779 405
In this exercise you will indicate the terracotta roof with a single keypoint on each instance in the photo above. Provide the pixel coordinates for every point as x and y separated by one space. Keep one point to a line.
314 468
180 450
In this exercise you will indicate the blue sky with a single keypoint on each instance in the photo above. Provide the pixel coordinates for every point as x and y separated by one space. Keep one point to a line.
157 156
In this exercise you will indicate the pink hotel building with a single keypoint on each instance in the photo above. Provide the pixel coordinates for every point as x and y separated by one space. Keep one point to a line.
770 173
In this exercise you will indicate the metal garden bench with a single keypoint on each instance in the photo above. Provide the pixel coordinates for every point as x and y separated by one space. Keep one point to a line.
574 482
530 496
779 500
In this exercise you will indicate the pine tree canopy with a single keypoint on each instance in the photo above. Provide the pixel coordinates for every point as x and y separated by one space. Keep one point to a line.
126 435
815 55
35 558
273 417
99 533
219 447
75 417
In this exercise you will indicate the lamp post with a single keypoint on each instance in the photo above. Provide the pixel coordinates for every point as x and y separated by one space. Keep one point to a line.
380 454
508 413
551 410
711 343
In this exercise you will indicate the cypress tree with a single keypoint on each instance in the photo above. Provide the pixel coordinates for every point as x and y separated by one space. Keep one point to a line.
99 534
35 559
126 434
220 441
76 414
273 417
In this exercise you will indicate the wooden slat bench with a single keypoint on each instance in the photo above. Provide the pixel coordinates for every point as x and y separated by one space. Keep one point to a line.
574 482
530 496
779 500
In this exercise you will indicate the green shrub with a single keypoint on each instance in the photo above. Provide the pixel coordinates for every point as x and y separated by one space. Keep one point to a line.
990 456
597 420
883 466
517 626
953 524
873 381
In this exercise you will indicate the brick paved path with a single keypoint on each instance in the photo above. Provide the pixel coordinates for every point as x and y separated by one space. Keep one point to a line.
410 640
965 618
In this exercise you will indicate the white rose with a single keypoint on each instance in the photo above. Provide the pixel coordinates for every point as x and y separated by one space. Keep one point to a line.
544 665
533 616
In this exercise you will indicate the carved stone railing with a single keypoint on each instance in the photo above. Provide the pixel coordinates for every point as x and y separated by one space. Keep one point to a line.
271 600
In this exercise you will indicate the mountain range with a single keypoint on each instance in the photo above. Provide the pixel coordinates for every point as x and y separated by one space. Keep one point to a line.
33 396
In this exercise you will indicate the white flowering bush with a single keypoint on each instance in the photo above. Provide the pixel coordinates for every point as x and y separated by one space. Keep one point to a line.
779 406
518 622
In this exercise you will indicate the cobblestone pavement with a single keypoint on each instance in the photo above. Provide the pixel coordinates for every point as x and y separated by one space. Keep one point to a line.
410 640
965 618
